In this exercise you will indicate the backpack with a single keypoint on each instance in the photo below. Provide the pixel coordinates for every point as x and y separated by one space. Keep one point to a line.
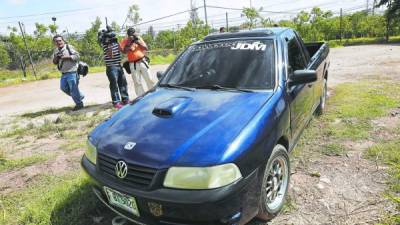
83 68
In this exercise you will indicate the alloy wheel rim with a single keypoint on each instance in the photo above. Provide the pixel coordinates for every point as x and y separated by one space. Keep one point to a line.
276 183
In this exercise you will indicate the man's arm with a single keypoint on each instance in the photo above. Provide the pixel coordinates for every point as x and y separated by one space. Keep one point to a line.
74 54
56 59
124 46
142 43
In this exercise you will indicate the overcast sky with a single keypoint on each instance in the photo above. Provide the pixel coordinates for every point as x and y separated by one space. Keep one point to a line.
77 15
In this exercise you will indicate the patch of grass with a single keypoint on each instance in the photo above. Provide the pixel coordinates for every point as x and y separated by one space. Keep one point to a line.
74 144
363 100
21 163
353 105
389 153
289 205
53 200
333 149
44 72
161 60
45 112
362 41
348 129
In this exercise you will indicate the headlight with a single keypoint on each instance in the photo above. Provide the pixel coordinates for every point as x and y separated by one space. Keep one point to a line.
202 177
91 152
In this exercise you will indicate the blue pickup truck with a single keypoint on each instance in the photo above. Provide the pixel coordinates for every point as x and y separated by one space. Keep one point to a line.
209 143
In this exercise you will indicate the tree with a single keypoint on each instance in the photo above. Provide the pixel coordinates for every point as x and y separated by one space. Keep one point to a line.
133 14
90 50
4 57
115 27
53 28
41 30
392 14
252 15
165 39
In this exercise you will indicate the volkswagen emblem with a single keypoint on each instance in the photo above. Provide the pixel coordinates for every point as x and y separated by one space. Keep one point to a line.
129 145
121 169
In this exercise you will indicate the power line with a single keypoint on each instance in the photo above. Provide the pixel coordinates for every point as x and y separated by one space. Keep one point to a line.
58 12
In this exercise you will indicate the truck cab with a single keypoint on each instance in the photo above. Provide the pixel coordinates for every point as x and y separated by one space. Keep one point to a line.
210 143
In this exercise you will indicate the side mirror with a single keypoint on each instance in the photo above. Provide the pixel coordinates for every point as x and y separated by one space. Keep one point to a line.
302 77
160 74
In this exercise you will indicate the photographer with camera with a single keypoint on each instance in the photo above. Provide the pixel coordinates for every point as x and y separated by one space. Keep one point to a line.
115 74
67 59
135 48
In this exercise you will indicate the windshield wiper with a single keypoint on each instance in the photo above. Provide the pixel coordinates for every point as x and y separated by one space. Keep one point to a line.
177 86
219 87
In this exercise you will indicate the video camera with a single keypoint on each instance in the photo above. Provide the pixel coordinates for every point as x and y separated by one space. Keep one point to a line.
107 36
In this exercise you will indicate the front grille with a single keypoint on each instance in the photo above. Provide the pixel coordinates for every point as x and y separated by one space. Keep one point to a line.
137 177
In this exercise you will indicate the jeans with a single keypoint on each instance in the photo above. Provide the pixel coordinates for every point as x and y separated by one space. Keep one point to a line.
118 84
69 84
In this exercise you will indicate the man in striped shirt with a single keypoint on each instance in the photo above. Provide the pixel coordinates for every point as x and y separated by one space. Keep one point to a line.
115 74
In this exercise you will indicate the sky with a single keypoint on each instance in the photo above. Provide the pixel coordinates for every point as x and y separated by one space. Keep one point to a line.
77 15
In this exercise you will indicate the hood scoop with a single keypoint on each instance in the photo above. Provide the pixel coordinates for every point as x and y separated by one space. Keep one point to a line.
171 107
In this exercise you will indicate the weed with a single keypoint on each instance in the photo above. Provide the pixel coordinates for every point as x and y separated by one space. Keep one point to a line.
21 163
52 200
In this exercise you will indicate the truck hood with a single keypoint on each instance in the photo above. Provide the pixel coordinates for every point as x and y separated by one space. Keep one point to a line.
172 127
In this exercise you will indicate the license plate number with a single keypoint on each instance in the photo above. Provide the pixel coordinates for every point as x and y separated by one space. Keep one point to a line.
122 201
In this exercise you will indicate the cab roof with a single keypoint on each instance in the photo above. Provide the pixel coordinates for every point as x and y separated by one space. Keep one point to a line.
259 32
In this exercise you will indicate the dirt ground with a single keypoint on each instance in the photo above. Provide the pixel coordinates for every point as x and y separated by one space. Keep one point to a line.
347 190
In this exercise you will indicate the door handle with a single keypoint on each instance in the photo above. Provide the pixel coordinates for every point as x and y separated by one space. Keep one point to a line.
309 85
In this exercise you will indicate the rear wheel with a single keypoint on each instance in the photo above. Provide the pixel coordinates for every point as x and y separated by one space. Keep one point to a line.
321 107
275 183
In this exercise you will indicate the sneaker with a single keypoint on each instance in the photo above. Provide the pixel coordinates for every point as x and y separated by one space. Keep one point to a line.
118 105
78 107
125 102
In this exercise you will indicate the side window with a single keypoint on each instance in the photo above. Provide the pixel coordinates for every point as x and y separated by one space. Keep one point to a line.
296 58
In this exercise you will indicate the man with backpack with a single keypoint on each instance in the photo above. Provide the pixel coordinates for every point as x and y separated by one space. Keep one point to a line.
67 60
135 48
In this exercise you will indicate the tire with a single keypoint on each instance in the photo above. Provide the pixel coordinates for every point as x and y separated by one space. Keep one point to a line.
321 107
275 183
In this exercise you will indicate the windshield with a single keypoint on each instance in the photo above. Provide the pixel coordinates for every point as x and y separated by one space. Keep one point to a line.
241 64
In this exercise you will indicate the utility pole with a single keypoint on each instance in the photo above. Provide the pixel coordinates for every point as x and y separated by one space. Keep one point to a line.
227 24
373 8
173 32
367 10
388 21
27 49
341 24
205 12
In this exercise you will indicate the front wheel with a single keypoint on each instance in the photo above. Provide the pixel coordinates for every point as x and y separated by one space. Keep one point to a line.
321 107
275 183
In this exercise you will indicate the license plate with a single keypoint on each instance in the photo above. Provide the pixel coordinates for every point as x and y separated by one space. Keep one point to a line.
122 201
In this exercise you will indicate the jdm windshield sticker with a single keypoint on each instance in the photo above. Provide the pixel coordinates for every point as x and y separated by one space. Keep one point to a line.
214 45
255 46
233 45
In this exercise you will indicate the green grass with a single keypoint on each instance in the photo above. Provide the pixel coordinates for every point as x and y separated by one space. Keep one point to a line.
13 77
333 149
353 105
48 71
362 41
51 200
389 153
21 163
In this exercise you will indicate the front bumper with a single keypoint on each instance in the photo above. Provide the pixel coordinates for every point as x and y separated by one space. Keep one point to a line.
233 204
